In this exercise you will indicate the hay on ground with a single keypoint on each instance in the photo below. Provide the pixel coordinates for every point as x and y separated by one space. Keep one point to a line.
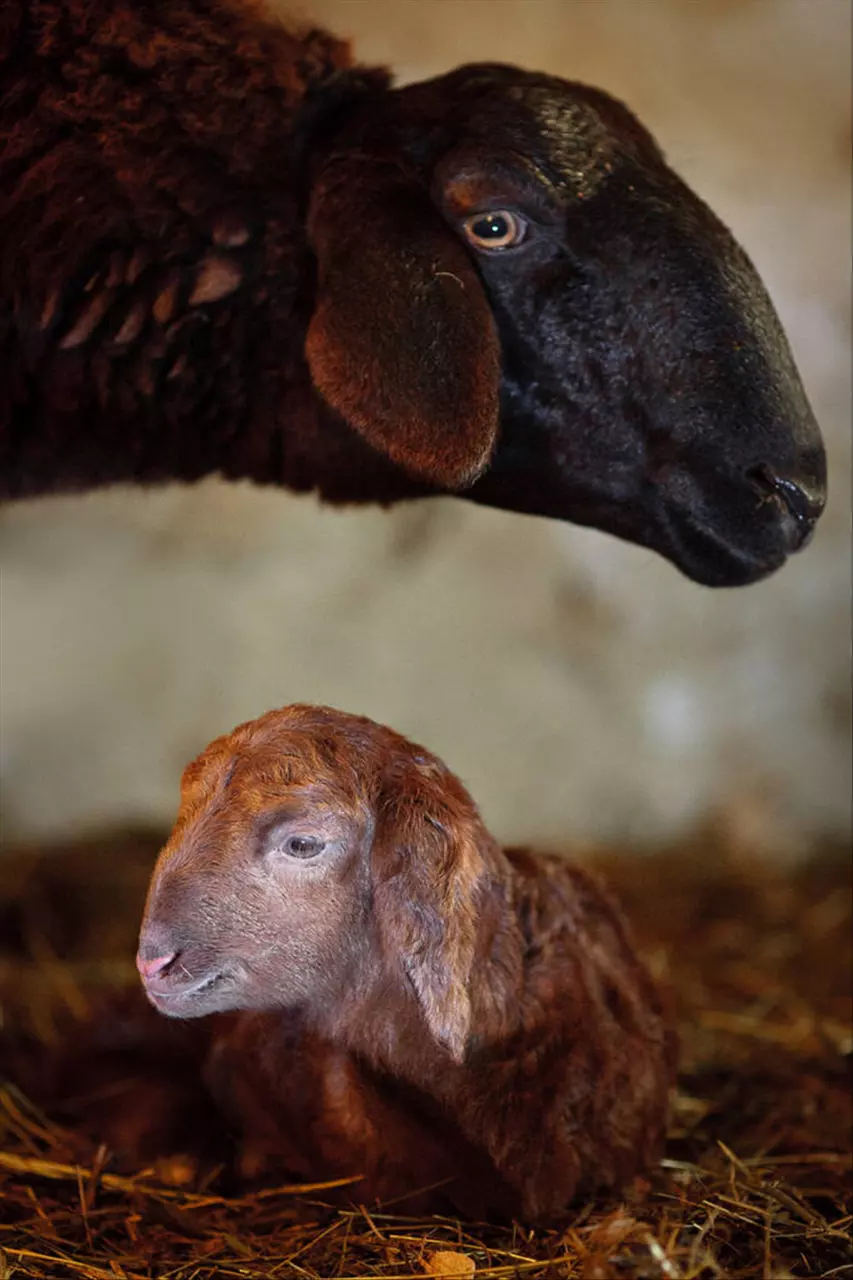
756 1181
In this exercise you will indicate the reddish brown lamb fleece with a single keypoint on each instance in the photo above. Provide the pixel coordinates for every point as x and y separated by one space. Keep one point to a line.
226 248
464 1026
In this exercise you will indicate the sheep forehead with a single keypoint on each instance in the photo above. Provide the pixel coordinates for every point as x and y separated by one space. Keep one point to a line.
312 772
268 782
222 827
322 760
579 148
576 134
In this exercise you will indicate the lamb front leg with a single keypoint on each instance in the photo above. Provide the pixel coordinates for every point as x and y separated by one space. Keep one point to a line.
303 1110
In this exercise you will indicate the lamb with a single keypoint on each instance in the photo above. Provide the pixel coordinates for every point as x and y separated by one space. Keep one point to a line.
226 248
464 1026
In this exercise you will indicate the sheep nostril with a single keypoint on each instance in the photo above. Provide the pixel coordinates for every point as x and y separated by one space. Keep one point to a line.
151 968
800 499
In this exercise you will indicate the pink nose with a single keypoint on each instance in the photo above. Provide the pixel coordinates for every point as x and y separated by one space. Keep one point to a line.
150 968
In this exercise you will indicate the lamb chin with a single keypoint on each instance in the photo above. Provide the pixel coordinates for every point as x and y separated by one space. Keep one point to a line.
207 997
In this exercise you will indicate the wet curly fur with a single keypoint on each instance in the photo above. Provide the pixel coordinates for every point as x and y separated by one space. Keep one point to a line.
465 1026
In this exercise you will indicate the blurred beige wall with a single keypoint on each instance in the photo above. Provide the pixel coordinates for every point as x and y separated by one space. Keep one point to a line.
580 686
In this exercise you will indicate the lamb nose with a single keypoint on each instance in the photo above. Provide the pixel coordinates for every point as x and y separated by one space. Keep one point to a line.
802 499
150 968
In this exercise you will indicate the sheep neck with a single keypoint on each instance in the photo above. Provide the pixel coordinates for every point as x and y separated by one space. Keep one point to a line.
522 1021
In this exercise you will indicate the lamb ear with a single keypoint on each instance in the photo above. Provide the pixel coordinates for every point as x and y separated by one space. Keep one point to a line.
402 343
427 868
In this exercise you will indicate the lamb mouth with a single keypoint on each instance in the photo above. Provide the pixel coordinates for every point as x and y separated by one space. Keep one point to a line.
167 998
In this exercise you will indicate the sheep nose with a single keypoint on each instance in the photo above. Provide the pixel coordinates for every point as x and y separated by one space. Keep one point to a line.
802 500
149 969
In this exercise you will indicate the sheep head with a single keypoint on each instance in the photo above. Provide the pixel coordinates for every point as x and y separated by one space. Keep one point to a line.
316 855
519 301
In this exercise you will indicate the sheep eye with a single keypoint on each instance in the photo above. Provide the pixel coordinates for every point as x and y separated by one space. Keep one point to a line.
496 230
303 846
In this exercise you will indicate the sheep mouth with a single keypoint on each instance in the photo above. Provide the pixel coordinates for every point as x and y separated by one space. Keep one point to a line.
730 536
715 559
191 998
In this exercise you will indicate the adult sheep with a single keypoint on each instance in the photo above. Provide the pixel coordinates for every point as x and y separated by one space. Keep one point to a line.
225 249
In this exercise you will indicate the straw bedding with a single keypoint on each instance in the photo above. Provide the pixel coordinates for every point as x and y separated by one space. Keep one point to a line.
756 1181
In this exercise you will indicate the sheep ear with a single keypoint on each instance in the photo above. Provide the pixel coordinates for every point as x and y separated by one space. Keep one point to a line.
425 894
402 343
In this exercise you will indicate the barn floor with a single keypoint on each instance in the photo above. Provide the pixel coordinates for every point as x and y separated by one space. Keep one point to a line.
756 1181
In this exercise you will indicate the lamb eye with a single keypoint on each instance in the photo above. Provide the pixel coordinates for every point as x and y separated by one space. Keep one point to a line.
303 846
495 230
